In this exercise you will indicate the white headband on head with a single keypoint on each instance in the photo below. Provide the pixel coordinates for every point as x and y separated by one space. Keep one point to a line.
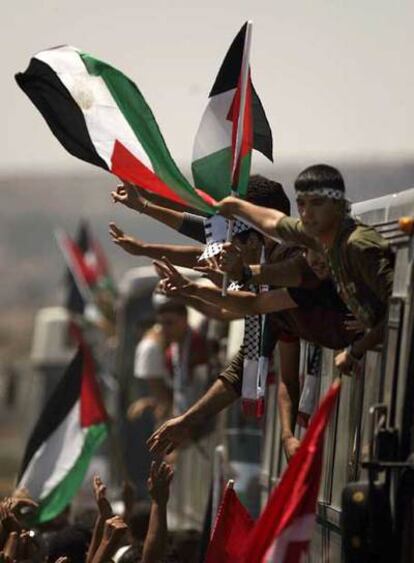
330 193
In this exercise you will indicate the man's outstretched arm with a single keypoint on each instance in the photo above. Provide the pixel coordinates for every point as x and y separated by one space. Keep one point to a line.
187 224
239 302
178 430
262 218
185 256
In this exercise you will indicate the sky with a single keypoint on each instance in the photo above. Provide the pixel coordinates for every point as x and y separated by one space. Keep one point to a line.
335 77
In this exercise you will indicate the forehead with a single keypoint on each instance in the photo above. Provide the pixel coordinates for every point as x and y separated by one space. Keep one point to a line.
311 198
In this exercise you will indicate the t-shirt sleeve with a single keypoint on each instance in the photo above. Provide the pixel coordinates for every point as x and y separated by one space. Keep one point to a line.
193 227
149 360
233 373
371 256
290 229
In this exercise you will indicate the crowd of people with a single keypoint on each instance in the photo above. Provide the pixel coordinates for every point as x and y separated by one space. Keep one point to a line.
328 280
324 278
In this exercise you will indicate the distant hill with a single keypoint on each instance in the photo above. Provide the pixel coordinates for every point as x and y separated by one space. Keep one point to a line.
32 206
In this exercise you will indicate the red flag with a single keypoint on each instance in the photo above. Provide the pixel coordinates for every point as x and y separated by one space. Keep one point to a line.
284 530
233 524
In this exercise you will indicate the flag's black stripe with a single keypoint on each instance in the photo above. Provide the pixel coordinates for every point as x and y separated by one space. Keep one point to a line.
60 110
262 134
229 72
75 303
57 408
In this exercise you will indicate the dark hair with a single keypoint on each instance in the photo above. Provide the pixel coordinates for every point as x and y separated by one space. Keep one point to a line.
72 541
131 555
267 193
319 176
171 306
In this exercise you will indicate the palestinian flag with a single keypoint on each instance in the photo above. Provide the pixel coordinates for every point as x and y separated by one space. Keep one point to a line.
87 266
216 166
75 302
70 428
100 116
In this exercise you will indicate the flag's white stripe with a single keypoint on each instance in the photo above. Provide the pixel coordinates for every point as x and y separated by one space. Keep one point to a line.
55 457
299 531
101 112
214 132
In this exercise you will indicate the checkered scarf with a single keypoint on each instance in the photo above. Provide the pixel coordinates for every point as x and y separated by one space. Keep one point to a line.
256 332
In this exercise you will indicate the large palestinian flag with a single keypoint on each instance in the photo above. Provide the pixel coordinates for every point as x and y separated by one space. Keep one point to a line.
70 428
215 142
100 116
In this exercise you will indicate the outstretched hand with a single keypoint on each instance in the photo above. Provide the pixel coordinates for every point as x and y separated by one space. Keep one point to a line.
130 196
227 206
159 480
231 260
168 436
99 489
129 244
172 282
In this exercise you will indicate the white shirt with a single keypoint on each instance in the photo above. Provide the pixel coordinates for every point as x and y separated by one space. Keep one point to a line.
150 360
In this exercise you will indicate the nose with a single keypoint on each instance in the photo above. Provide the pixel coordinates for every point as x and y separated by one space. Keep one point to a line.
306 212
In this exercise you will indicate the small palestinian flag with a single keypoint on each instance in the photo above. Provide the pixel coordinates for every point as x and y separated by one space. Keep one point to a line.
100 116
75 302
70 428
214 146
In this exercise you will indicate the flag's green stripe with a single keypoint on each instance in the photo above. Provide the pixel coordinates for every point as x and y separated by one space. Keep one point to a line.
62 494
212 173
244 175
141 119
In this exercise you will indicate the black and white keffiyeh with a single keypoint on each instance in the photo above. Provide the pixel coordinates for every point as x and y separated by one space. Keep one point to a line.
215 229
256 359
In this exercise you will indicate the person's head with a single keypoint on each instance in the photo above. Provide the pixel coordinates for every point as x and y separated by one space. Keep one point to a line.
267 193
317 261
250 242
320 197
171 314
72 541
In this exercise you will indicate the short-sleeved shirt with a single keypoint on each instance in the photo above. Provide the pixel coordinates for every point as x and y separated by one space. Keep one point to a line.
360 262
150 360
319 319
193 227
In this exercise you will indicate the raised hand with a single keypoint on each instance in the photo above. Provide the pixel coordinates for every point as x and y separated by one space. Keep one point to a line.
159 480
129 244
20 500
114 529
169 436
130 196
227 206
172 282
99 489
231 260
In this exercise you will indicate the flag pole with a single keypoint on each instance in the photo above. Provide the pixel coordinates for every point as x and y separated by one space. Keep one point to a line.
245 67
